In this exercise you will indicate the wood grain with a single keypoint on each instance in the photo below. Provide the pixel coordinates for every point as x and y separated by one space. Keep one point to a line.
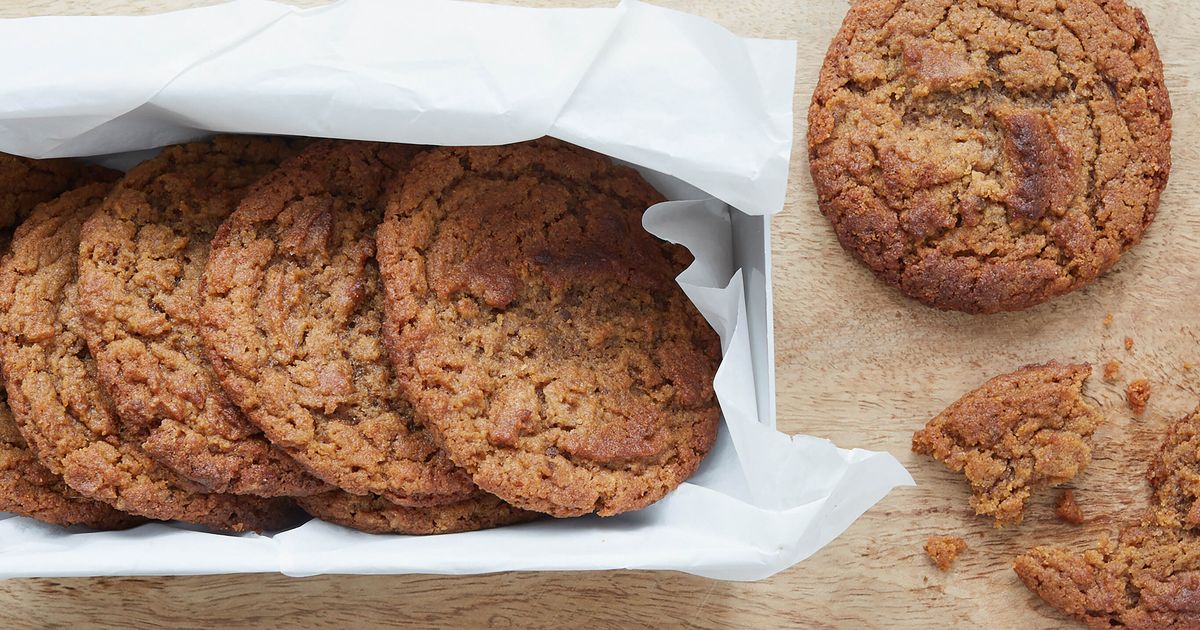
856 363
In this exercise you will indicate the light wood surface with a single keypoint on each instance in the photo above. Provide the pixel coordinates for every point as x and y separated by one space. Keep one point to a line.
857 363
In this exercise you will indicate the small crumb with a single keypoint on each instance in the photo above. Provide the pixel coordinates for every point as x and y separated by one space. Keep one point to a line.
1187 365
1067 509
1108 320
1137 395
1128 344
1111 369
944 549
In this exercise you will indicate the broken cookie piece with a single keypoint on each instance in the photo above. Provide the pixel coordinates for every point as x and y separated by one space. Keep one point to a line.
943 550
1150 576
1015 434
1175 473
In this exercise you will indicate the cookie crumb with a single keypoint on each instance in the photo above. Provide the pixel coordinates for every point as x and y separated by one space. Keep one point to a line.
943 550
1111 369
1067 509
1128 344
1187 365
1137 395
1108 320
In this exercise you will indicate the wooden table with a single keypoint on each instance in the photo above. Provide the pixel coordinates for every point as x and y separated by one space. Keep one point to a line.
856 363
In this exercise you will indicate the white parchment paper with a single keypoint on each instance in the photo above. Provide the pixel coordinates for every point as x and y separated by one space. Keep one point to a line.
706 115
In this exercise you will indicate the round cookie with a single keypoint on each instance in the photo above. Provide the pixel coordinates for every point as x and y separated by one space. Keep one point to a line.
538 331
292 313
375 515
60 409
24 183
141 257
29 489
983 157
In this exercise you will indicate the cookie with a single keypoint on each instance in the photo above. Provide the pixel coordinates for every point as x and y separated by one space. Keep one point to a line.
293 309
1175 472
141 257
24 183
1014 435
1148 577
538 331
376 515
29 489
62 413
984 156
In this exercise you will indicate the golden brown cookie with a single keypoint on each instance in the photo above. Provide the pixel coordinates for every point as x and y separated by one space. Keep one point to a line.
29 489
1014 435
1175 472
1146 580
373 514
1150 576
989 155
52 390
24 183
141 257
538 331
292 313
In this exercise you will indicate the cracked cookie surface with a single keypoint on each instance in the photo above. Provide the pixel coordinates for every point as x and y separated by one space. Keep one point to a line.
293 311
60 409
538 331
989 155
30 489
141 257
1015 434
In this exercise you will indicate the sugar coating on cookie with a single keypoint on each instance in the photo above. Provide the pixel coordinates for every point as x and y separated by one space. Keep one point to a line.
1015 434
293 311
24 183
373 514
989 155
141 257
538 330
62 413
1150 576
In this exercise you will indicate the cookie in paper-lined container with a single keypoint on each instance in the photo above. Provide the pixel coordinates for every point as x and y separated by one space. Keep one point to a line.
141 255
538 331
63 415
293 314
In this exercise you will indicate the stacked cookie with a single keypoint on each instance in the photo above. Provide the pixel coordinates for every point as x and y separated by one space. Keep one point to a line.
392 338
